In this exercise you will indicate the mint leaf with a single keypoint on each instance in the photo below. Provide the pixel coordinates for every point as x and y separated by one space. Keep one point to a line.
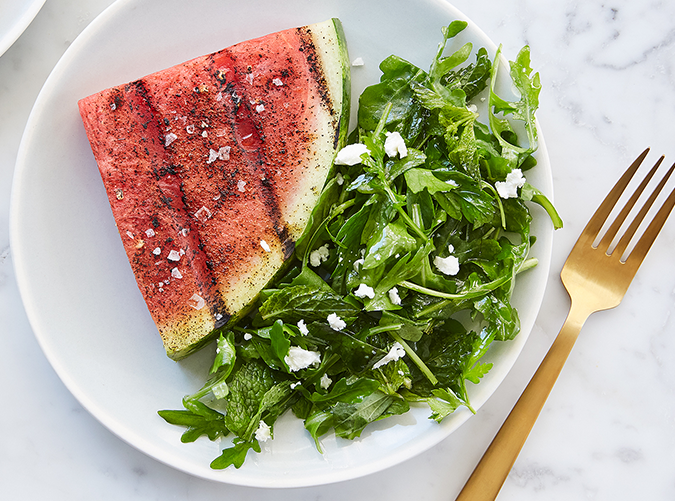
296 303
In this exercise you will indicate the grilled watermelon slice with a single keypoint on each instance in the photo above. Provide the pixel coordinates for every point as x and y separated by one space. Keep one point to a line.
212 169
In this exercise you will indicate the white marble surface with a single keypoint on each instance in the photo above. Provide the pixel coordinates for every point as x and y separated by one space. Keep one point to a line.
608 429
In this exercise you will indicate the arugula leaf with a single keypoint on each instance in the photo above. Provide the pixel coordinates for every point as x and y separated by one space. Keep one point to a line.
349 419
196 424
235 455
347 390
523 109
391 240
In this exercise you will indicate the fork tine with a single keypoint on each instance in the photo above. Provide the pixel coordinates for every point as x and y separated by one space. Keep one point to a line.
635 224
638 254
600 216
618 221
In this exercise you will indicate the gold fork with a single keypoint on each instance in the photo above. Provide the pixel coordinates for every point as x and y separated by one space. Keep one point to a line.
596 277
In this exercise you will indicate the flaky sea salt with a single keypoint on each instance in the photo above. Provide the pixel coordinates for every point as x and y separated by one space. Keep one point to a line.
223 153
265 246
203 214
169 138
196 301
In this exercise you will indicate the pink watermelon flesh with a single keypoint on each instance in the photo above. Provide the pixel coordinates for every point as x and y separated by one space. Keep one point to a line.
212 168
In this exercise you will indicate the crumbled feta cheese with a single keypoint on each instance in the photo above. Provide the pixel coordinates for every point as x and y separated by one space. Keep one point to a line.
248 336
351 154
394 354
394 297
335 322
325 381
203 214
173 255
175 273
196 301
509 187
265 246
303 328
157 251
169 138
264 432
277 82
395 145
358 62
241 185
299 358
318 256
364 291
260 108
447 265
149 233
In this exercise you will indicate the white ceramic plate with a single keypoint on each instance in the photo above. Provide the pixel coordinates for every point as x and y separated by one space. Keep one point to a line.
76 283
15 16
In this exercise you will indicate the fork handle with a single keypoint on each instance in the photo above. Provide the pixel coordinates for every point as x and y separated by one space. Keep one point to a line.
487 479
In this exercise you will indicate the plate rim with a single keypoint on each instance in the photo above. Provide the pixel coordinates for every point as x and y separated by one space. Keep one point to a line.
21 23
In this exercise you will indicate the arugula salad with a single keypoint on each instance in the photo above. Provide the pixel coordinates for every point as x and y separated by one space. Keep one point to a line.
403 278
